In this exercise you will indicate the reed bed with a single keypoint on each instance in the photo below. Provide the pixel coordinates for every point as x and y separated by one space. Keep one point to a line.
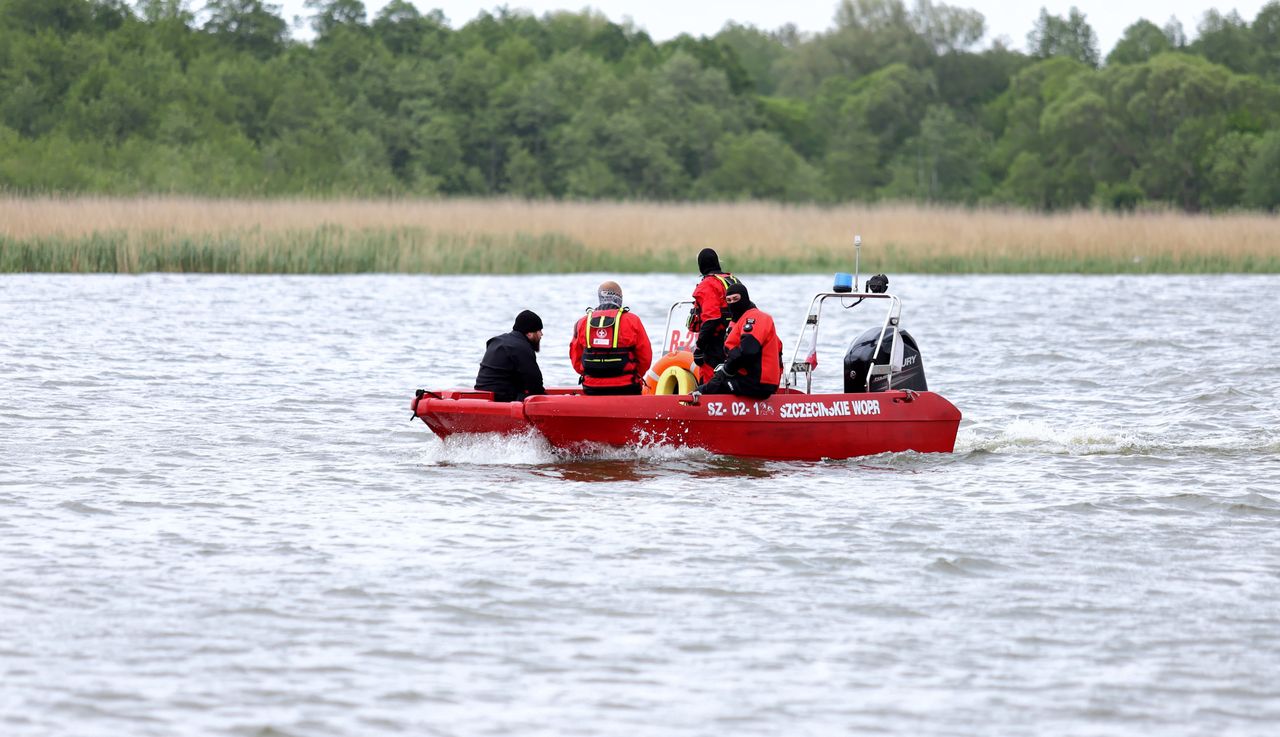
134 235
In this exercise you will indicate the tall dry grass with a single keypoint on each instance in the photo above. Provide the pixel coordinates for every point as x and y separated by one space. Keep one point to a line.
179 233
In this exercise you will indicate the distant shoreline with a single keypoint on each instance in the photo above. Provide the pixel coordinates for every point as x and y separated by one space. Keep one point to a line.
509 236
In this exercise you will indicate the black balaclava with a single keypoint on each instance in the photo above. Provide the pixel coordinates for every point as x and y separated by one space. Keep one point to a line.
708 262
739 308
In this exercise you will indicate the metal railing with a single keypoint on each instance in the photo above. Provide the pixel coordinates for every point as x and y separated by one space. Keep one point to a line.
667 344
812 320
810 328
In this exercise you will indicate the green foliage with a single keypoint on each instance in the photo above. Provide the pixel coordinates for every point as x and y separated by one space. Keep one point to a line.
1226 167
331 15
943 163
247 25
1163 126
1266 37
868 121
1120 196
59 16
713 55
1226 40
756 52
1071 37
107 96
407 32
946 28
1262 186
1140 42
967 81
760 165
793 121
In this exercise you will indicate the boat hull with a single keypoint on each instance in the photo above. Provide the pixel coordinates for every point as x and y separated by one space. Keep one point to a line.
787 426
471 411
783 427
465 412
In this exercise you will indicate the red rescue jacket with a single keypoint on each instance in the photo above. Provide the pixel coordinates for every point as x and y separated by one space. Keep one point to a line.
764 359
610 348
708 299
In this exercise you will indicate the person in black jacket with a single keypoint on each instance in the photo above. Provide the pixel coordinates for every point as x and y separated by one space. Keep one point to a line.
509 368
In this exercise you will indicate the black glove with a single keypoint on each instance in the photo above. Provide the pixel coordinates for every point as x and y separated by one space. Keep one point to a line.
722 371
694 321
698 357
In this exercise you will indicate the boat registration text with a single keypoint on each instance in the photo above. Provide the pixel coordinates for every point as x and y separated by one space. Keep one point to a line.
839 408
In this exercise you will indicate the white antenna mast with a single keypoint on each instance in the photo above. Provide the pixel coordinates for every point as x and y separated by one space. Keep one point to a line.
857 257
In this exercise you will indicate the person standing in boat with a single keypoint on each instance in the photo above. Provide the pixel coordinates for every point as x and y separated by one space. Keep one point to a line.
753 352
709 317
509 368
610 348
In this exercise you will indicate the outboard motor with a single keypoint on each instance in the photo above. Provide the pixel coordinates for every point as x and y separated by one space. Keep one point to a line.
857 362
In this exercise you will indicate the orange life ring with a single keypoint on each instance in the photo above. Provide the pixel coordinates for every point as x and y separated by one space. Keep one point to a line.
683 359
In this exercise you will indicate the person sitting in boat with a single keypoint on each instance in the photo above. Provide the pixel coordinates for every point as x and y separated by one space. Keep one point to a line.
509 368
753 353
709 317
610 348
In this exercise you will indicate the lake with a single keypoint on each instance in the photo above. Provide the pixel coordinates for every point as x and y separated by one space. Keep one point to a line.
216 517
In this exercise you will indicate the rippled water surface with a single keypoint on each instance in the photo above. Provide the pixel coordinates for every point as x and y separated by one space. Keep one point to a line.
217 518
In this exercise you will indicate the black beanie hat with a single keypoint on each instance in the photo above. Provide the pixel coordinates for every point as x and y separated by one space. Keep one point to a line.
738 288
527 322
708 261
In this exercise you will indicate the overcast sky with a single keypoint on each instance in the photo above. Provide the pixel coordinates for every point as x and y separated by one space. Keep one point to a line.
664 19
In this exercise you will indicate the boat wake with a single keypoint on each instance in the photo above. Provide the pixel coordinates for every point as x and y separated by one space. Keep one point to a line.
489 449
646 451
531 449
1039 437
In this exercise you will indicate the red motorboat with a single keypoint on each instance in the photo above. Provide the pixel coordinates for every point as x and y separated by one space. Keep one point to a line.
787 426
885 407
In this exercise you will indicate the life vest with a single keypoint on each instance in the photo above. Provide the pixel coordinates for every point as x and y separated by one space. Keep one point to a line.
694 323
726 279
602 358
760 326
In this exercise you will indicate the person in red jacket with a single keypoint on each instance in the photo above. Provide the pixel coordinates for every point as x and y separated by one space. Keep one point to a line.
753 352
610 348
709 317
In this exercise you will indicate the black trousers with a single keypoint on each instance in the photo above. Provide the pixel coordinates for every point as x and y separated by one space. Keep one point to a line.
711 344
713 354
742 386
611 391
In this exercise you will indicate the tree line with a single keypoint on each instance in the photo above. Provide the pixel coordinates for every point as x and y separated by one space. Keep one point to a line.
892 102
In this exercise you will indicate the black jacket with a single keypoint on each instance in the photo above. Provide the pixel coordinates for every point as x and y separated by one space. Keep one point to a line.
509 368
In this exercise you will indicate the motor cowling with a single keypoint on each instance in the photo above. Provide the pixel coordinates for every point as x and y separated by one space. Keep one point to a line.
858 361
